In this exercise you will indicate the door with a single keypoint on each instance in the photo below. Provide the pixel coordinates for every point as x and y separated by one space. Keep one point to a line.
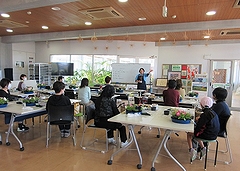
220 75
225 73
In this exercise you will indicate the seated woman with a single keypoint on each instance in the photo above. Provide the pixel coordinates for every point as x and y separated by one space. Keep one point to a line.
58 99
106 108
179 88
5 83
207 128
21 84
171 96
84 94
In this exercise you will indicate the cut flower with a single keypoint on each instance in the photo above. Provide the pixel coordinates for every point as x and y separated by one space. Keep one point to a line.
180 114
3 100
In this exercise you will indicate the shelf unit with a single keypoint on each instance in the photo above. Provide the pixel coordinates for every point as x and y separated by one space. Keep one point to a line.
41 72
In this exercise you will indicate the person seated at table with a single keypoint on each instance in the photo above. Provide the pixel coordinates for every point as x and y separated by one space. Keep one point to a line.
221 107
61 78
107 82
207 127
5 84
84 94
21 85
171 96
105 109
179 88
59 99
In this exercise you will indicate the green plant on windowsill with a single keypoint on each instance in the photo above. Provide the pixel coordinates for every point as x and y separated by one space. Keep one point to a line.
3 100
31 100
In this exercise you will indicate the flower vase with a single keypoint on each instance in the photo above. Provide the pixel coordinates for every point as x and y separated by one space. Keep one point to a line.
3 105
181 121
30 104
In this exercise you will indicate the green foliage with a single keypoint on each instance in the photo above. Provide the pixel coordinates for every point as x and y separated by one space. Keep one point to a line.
31 100
3 100
180 114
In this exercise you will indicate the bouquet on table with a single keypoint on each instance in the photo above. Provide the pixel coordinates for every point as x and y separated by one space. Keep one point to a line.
3 100
31 100
192 94
28 90
133 108
180 116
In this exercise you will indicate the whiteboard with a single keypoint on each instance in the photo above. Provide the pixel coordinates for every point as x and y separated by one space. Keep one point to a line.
126 72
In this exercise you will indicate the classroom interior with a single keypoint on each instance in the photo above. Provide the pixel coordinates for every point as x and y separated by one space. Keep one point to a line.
129 41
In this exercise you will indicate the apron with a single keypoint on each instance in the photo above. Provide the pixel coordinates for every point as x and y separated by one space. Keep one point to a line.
141 86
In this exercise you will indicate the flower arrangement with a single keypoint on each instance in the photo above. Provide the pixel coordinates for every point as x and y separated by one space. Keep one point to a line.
133 108
3 100
192 94
31 100
28 90
41 85
180 114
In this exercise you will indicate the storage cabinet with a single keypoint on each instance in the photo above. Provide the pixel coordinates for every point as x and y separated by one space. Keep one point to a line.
41 72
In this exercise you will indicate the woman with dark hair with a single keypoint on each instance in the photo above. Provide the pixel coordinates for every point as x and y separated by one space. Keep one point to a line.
179 88
221 107
5 84
105 109
84 94
171 96
141 79
21 84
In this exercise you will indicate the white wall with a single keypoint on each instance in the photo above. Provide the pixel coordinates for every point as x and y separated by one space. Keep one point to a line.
22 52
198 54
121 48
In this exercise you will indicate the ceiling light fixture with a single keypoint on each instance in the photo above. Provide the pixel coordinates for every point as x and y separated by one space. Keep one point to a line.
206 37
211 13
164 9
88 23
45 27
162 38
141 18
56 8
122 0
5 15
9 30
29 12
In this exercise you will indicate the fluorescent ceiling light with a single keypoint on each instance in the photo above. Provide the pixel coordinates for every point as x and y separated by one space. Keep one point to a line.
45 27
5 15
211 13
206 37
162 38
88 23
9 30
122 0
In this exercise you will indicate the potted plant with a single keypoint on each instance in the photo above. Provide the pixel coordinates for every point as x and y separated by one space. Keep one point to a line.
31 101
41 85
133 108
3 102
192 94
28 90
180 116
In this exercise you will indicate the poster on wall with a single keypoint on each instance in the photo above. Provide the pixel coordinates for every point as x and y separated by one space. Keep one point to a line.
174 75
176 68
199 82
19 64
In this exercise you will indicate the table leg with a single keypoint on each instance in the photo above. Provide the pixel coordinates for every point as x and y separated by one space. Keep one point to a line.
132 139
164 143
10 130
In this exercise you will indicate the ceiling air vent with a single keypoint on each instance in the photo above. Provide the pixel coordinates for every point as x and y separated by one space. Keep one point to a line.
230 32
102 13
11 24
236 4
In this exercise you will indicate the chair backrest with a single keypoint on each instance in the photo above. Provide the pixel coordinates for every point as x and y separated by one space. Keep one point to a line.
89 113
60 114
223 126
69 93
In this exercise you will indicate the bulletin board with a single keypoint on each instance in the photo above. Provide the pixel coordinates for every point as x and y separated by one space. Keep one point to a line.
182 71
